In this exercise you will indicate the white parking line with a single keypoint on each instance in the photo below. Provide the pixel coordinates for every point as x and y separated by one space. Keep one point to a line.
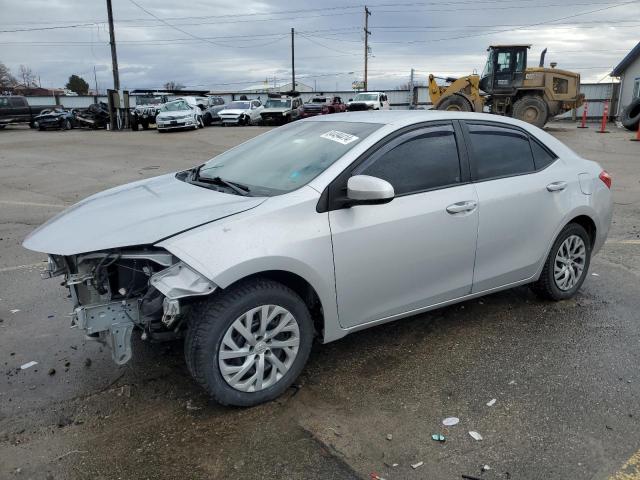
32 204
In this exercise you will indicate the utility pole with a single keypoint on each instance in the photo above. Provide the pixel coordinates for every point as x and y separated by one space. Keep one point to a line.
367 13
411 89
293 65
112 42
95 79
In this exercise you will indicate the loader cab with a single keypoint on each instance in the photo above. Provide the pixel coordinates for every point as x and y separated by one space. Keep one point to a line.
505 69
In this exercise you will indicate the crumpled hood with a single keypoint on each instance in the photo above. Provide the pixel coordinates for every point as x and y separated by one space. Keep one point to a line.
234 111
139 213
176 113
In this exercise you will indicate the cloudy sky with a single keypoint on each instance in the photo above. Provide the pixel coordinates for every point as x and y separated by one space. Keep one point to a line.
227 45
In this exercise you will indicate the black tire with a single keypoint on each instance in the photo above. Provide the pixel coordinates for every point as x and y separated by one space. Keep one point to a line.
545 287
134 124
200 122
67 124
145 124
207 119
210 319
3 126
531 109
631 116
455 103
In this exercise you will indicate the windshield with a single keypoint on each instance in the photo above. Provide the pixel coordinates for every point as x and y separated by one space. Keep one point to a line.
318 100
366 97
278 103
175 106
287 158
238 105
488 68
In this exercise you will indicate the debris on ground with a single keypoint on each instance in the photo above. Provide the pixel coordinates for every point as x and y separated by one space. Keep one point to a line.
389 437
375 476
491 402
87 362
15 310
390 465
475 435
512 382
192 407
417 465
64 421
28 365
335 432
595 274
484 468
438 437
125 391
469 477
450 421
52 371
50 316
69 453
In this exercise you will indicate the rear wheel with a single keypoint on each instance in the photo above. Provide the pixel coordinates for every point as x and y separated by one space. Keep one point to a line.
247 344
67 124
531 109
455 103
207 119
566 266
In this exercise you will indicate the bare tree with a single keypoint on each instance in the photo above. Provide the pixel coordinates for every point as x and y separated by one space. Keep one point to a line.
7 80
27 76
173 85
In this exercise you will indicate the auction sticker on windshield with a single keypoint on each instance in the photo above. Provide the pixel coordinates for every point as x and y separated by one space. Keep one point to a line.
340 137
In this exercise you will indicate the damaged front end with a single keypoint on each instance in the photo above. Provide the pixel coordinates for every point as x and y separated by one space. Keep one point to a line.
117 291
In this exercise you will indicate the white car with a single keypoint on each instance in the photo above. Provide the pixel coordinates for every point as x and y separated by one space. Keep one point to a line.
179 113
241 112
369 101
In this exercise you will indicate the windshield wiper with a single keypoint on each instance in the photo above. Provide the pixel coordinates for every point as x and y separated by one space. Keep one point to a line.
236 187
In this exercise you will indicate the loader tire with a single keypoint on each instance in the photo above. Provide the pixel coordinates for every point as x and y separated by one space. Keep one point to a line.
531 109
631 115
455 103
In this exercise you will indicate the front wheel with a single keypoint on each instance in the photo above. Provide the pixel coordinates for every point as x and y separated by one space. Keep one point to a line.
247 344
531 109
67 124
566 266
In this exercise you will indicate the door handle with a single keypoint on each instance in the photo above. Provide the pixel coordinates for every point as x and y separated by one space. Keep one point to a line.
460 207
557 186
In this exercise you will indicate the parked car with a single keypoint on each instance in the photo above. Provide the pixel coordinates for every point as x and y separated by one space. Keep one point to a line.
281 109
324 227
369 101
321 105
179 114
146 109
241 112
95 116
212 109
55 118
15 109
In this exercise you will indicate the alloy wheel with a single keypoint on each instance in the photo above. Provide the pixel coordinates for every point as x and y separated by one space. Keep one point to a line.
259 348
569 263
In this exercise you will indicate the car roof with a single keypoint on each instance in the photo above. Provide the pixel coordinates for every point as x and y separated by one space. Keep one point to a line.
407 117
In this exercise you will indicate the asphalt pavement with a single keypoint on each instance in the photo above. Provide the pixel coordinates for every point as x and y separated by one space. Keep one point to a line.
564 375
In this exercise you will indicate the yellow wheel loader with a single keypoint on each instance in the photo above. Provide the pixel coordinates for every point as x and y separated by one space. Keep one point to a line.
508 87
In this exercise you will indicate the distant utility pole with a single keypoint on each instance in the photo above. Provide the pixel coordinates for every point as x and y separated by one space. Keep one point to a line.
95 79
367 14
293 64
411 88
112 42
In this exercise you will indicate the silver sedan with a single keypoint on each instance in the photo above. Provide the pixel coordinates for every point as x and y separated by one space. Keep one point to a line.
321 228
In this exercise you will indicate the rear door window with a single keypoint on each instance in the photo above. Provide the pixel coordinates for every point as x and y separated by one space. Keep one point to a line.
498 152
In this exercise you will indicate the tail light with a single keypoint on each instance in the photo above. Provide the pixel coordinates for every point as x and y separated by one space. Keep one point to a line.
606 178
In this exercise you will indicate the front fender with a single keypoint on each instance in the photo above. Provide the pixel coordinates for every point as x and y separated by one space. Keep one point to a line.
287 234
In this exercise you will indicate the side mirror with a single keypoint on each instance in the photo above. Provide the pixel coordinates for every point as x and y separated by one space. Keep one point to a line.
350 100
368 190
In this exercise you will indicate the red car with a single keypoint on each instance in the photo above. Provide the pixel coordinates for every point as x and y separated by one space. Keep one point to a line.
322 106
